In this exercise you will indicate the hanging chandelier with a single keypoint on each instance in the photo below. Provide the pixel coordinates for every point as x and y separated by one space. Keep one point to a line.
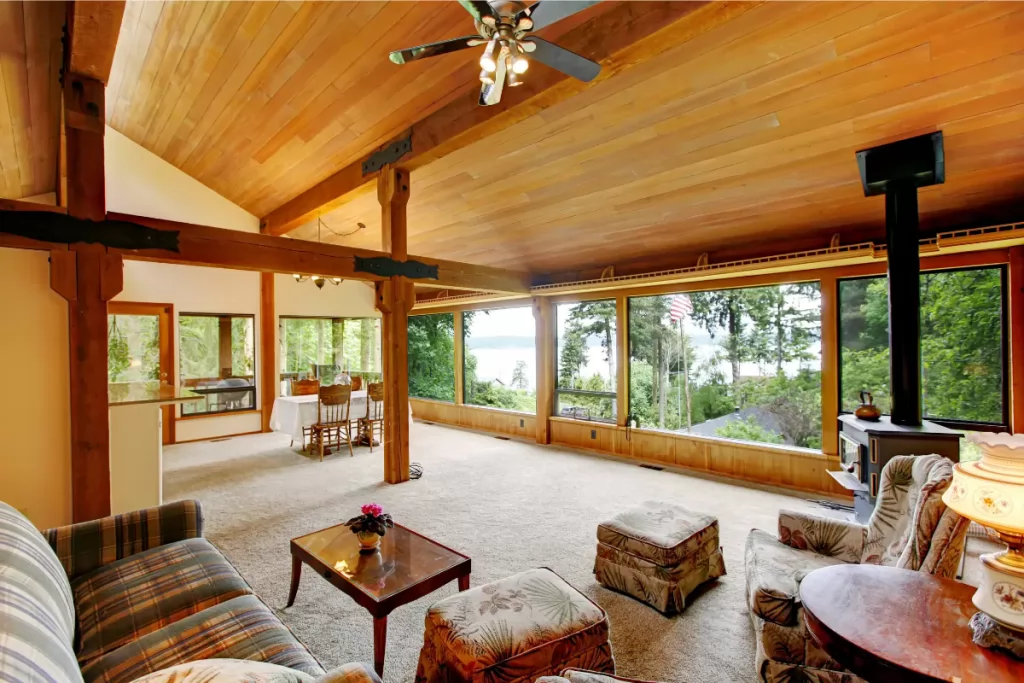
320 280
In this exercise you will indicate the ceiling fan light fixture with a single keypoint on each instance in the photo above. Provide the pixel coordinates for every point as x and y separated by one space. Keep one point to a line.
518 62
489 60
486 78
512 79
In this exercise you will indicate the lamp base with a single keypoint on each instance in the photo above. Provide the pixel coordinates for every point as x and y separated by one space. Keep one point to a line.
1000 594
991 634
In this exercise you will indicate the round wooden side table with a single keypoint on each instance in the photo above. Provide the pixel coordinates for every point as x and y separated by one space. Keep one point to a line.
894 625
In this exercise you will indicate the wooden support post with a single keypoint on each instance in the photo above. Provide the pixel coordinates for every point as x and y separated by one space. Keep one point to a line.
460 358
829 365
1016 295
224 356
622 359
394 300
544 317
97 278
268 348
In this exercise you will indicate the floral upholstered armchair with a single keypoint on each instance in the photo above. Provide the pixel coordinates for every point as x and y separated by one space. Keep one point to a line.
910 528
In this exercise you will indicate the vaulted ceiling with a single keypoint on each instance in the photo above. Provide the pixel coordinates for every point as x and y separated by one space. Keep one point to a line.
740 136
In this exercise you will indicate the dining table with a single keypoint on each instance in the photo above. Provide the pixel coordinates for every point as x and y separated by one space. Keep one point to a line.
291 413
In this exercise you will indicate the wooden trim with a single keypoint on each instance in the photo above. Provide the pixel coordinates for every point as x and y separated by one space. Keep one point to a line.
19 205
269 378
229 413
829 365
84 106
219 438
1015 307
622 359
460 358
544 341
478 418
165 315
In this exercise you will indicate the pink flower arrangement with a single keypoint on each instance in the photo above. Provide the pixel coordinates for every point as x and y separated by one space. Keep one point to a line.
372 509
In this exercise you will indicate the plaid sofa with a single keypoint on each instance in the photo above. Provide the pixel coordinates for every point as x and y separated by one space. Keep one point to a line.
137 595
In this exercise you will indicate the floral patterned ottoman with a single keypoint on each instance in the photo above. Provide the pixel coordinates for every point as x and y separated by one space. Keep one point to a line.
658 553
514 630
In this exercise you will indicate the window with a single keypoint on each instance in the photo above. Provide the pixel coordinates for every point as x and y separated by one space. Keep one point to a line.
586 373
218 360
133 348
500 358
738 363
962 344
432 356
324 348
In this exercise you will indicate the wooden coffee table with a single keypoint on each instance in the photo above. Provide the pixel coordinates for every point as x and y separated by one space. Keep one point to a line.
407 567
886 625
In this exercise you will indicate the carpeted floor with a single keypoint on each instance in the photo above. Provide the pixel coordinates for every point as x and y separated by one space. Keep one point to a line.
508 505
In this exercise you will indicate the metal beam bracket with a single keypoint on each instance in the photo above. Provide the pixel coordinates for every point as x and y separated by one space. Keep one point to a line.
389 155
48 226
388 267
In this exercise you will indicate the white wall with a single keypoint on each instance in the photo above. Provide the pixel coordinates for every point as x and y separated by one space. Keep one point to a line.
35 421
142 183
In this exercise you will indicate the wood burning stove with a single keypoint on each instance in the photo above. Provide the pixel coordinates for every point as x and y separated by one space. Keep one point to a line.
897 170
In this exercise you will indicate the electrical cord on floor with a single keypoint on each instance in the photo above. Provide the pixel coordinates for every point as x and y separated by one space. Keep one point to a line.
415 470
833 506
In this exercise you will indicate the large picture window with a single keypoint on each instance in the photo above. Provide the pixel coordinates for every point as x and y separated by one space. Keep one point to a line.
738 363
432 356
586 374
218 360
962 344
326 348
500 358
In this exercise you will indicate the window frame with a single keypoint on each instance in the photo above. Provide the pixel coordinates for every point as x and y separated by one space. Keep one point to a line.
461 373
251 389
613 395
1004 320
283 375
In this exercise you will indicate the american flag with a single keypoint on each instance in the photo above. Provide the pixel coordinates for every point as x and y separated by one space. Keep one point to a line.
681 307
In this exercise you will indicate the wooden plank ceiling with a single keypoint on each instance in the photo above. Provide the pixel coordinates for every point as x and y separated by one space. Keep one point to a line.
30 60
741 140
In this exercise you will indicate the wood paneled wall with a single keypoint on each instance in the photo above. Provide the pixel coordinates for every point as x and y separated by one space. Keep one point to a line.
790 468
475 417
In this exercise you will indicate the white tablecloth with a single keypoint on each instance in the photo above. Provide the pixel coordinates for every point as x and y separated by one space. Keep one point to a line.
292 413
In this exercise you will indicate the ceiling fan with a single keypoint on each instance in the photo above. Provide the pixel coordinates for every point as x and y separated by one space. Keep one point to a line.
506 29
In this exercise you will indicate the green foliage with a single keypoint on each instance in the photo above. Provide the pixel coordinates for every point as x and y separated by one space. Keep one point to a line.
133 348
374 524
350 344
117 352
200 346
519 380
432 356
961 343
748 430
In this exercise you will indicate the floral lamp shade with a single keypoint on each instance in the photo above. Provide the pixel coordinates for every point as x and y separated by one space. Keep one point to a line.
991 492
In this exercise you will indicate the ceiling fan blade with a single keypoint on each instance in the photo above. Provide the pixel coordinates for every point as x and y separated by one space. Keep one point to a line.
546 12
490 93
565 61
477 8
443 47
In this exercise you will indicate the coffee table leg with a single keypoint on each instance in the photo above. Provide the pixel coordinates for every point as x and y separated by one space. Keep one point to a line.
296 574
464 583
380 637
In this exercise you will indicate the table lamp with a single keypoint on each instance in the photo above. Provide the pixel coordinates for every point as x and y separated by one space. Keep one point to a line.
990 491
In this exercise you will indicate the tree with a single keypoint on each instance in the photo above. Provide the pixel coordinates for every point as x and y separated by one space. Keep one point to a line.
432 356
519 380
748 430
117 352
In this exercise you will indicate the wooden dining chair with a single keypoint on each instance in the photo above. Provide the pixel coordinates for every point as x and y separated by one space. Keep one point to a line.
357 383
374 419
305 387
332 417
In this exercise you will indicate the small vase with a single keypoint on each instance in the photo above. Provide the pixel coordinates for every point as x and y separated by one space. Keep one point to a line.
368 541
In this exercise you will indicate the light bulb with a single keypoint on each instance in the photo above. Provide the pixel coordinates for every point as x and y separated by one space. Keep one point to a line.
512 79
519 64
297 277
486 78
489 60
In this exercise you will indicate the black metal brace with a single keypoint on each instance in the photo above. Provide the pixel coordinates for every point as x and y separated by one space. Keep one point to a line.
389 155
387 267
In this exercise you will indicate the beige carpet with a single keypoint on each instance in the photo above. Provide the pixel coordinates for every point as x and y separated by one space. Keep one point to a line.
508 505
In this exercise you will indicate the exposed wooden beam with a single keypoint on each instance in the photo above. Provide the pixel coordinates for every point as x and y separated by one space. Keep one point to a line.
621 37
93 28
395 298
206 246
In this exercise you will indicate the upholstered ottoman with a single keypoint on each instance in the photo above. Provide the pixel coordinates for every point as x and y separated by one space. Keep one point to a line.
517 629
658 553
